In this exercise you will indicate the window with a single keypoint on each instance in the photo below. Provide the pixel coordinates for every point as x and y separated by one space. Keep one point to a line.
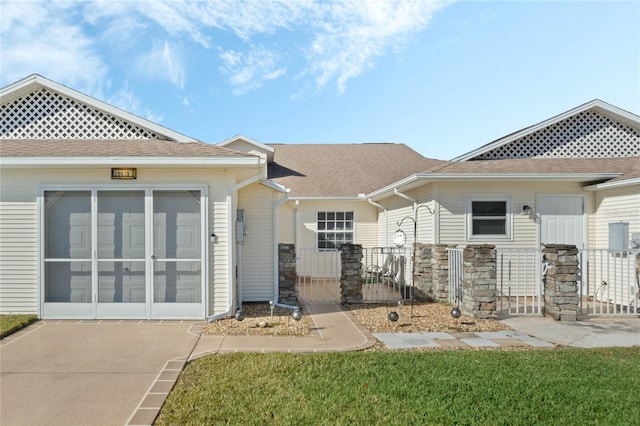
488 218
334 229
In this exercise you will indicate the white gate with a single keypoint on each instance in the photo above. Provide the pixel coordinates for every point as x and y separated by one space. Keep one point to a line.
318 275
456 275
519 274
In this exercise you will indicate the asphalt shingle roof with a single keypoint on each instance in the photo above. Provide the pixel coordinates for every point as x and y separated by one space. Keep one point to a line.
111 147
324 170
628 167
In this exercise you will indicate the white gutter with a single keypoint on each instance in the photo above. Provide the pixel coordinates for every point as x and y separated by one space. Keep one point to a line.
611 185
386 221
276 272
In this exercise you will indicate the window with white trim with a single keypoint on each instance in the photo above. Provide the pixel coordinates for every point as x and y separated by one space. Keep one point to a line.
488 218
334 229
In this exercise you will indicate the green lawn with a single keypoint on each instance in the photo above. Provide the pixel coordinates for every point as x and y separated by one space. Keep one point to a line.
12 323
555 387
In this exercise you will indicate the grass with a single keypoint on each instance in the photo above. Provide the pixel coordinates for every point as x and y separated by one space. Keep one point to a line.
11 323
559 387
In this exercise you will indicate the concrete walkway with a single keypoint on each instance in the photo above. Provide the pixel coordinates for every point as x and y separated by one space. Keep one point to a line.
91 372
332 330
592 332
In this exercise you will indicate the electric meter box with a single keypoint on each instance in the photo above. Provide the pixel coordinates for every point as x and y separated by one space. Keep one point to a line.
619 236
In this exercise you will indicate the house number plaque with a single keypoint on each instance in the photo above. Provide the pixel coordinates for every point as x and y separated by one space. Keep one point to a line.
129 173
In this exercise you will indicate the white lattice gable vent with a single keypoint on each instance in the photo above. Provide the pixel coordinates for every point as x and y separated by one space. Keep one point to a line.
45 114
584 135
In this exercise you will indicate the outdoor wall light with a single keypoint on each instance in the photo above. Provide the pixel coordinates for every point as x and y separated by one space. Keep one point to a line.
526 210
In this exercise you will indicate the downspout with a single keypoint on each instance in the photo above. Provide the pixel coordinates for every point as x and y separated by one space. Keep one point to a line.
261 175
386 221
276 272
296 219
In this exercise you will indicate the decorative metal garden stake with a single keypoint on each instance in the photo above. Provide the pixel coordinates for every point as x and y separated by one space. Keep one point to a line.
271 306
239 315
393 316
455 312
415 241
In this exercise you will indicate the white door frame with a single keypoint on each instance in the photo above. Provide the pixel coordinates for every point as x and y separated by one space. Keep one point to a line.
90 310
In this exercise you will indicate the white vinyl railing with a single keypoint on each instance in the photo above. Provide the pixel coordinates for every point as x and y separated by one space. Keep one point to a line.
610 282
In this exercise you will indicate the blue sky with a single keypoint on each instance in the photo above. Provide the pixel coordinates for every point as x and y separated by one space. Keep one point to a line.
441 77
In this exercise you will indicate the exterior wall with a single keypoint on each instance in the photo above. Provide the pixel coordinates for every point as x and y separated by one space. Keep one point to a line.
18 258
524 228
300 227
19 192
614 205
258 249
448 202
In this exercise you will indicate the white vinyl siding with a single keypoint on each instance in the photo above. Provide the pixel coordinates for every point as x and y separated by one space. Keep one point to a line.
612 206
524 229
18 258
258 248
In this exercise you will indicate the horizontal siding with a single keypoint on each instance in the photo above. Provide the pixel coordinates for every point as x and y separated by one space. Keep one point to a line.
18 257
617 205
452 208
258 247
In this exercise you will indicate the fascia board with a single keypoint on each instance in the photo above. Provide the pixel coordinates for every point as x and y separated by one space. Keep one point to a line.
142 161
612 185
492 177
598 105
33 81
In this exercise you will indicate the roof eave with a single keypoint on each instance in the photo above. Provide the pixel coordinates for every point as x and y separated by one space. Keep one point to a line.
422 178
226 162
613 185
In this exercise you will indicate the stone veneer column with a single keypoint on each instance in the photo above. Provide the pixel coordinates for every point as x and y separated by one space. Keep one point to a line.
422 274
440 271
561 297
479 285
351 274
287 274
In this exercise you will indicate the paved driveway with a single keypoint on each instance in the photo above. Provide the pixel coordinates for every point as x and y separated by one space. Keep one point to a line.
91 372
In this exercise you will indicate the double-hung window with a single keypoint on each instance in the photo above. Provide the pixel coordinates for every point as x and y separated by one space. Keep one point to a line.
334 229
488 218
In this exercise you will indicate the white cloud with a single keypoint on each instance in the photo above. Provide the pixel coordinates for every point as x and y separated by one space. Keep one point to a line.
324 42
163 62
249 71
44 38
353 34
